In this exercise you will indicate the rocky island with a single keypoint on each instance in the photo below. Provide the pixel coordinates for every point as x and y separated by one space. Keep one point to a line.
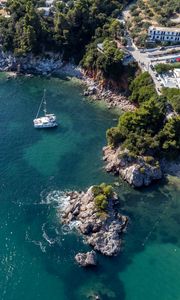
97 219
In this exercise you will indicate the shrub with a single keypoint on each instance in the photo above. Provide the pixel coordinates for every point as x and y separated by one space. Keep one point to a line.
102 193
142 88
142 170
102 215
135 13
96 190
114 136
101 202
149 160
107 189
173 96
162 68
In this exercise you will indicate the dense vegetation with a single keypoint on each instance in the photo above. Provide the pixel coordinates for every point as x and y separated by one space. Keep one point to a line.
102 194
68 30
108 61
146 131
142 88
173 96
151 12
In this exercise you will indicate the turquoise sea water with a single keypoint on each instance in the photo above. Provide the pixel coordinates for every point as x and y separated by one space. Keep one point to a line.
36 253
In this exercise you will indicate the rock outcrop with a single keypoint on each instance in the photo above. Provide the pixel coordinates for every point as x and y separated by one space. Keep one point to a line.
86 259
136 170
101 231
44 65
112 99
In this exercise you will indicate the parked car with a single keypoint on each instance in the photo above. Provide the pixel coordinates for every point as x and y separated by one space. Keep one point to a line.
152 67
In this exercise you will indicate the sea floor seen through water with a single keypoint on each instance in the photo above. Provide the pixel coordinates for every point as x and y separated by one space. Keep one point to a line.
37 166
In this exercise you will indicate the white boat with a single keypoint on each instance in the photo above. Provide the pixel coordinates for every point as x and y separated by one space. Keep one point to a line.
48 120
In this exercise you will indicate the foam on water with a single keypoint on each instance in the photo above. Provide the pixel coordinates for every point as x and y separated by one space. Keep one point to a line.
40 244
55 197
75 224
46 237
69 228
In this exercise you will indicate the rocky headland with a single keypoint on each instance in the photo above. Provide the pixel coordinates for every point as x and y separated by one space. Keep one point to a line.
138 171
95 216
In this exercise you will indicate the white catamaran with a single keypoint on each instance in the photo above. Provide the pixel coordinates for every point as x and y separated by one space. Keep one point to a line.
48 121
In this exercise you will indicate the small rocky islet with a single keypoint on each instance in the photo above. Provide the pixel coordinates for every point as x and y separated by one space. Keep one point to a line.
95 216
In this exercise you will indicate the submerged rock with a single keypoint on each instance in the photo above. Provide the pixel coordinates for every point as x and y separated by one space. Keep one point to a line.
136 170
86 259
100 230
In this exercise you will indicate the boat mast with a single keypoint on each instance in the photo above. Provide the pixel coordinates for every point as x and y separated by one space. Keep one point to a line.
40 105
44 101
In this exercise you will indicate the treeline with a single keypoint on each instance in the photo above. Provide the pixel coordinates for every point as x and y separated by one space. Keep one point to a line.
72 26
25 30
147 131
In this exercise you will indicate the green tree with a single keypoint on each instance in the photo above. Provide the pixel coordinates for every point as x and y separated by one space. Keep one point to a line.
142 88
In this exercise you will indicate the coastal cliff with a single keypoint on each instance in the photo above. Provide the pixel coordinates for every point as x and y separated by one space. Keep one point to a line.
96 218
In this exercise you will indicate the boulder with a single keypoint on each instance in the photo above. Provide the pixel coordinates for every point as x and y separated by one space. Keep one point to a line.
86 259
86 228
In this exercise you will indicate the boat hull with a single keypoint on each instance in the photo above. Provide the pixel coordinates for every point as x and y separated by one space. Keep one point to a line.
41 126
48 121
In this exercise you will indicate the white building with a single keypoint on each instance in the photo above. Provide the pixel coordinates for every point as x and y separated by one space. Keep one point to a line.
164 34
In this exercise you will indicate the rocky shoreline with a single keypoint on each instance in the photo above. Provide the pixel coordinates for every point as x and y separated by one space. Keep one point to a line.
48 65
138 171
52 64
100 229
112 99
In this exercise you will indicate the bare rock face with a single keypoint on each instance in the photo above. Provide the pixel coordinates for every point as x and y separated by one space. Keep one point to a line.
86 259
97 89
102 233
137 171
